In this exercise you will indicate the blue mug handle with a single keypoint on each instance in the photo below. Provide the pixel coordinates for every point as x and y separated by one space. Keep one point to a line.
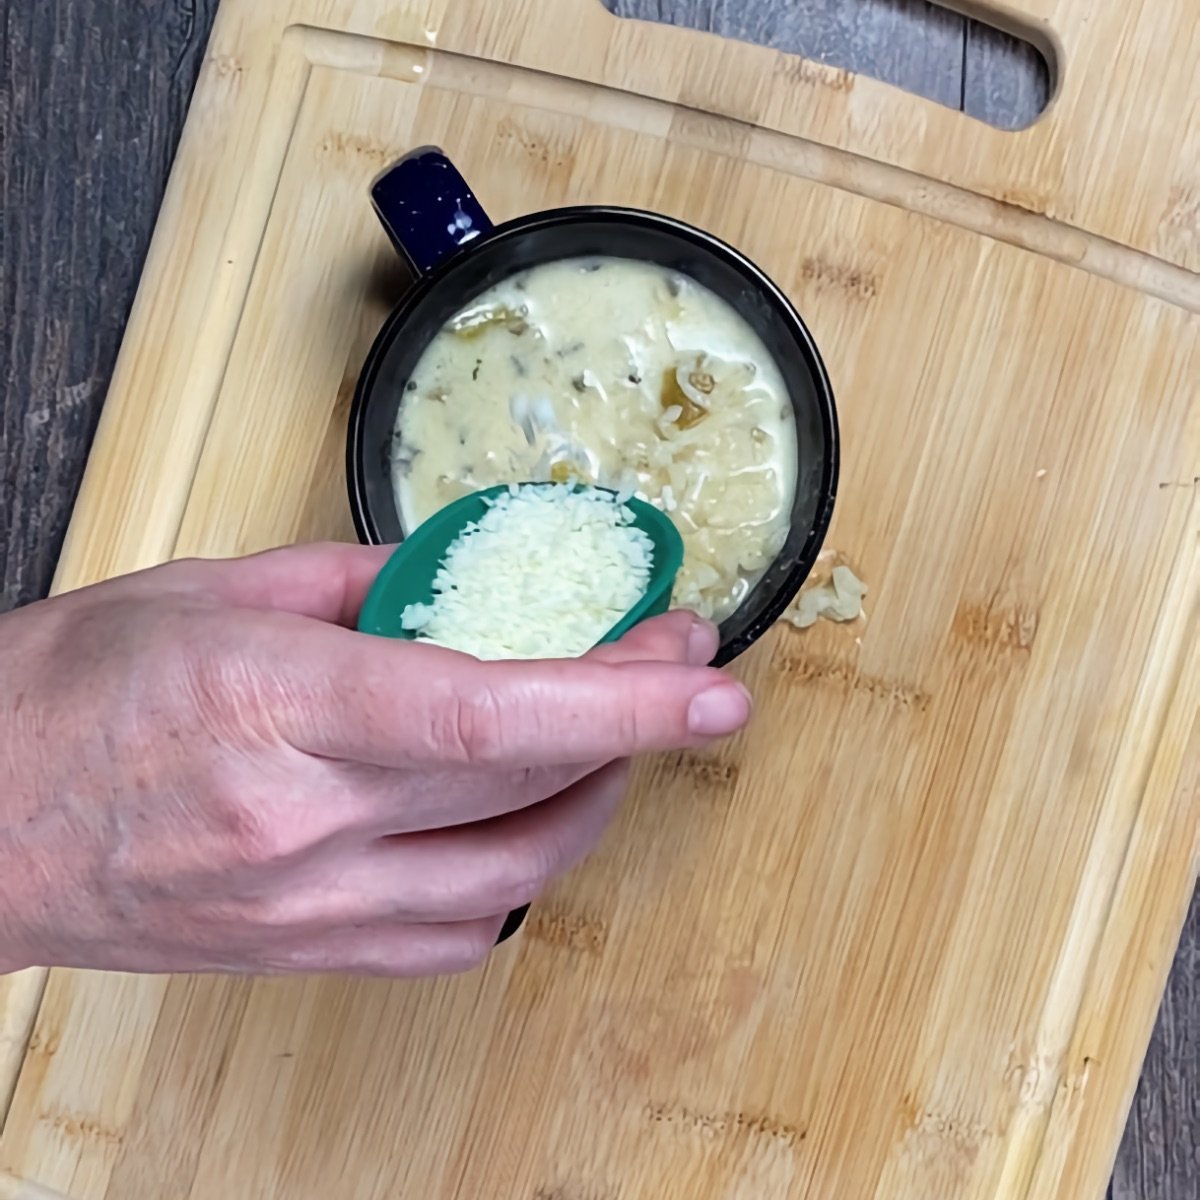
427 208
429 213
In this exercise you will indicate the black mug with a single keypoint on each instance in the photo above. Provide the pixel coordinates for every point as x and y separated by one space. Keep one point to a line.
436 224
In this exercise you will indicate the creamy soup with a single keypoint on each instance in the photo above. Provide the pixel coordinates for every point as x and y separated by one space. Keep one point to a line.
616 373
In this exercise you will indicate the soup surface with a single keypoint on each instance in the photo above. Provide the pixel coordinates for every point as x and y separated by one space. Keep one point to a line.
621 374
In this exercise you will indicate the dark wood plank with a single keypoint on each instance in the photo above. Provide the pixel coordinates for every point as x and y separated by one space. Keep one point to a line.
92 99
1006 82
1160 1156
912 44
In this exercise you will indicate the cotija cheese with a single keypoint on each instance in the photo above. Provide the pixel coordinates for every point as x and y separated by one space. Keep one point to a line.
546 573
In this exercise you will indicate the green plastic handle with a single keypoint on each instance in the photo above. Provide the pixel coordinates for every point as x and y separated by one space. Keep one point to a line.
408 576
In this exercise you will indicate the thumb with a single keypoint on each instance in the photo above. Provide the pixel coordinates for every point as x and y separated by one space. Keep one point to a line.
677 636
327 581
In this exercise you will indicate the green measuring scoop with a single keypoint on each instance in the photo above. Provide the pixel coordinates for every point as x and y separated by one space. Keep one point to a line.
408 576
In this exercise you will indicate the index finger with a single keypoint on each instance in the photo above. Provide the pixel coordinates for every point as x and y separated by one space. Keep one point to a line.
407 704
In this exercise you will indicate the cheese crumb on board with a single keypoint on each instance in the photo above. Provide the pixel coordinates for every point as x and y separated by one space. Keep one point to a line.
836 597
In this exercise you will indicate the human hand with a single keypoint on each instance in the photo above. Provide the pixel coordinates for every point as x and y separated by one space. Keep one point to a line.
202 768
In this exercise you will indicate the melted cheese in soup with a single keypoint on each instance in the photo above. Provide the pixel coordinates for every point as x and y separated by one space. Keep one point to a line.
616 373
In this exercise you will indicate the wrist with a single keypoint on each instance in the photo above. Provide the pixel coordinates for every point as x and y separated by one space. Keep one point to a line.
16 951
23 737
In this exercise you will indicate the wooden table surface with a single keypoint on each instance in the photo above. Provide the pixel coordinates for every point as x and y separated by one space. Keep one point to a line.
93 94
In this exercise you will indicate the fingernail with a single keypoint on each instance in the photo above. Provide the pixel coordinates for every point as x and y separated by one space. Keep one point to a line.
703 641
719 711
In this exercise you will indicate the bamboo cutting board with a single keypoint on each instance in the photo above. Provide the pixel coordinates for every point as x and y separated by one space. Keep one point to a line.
905 938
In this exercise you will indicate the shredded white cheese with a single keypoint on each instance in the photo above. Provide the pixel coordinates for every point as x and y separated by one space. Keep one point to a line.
546 573
838 597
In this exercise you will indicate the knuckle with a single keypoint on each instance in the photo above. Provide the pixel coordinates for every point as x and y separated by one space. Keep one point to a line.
260 809
469 949
288 960
521 874
225 694
274 913
524 877
470 727
246 686
628 721
257 837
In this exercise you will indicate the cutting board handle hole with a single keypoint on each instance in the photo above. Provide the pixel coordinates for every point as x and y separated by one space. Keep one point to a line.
993 67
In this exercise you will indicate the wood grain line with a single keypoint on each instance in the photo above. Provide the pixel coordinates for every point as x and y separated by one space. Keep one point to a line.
289 84
20 999
897 187
18 1189
735 1124
1094 909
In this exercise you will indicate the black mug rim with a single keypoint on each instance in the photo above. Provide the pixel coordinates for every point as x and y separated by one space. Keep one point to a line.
364 519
